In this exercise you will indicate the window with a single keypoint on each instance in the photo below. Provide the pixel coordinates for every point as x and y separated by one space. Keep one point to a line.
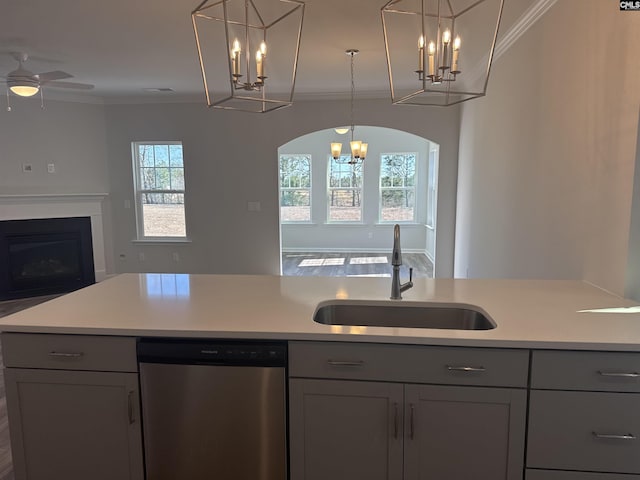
159 182
345 190
397 187
295 188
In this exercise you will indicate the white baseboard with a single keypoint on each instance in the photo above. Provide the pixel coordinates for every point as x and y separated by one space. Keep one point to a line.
350 250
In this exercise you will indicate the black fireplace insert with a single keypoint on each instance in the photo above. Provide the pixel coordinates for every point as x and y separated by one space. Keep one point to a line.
45 256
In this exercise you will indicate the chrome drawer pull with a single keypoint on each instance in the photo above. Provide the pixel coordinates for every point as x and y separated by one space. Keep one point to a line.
619 374
345 363
610 436
454 368
66 354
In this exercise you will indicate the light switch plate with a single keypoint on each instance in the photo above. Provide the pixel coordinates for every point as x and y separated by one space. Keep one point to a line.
51 167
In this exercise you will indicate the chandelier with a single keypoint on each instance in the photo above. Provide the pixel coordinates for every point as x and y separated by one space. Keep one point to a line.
248 52
455 44
358 148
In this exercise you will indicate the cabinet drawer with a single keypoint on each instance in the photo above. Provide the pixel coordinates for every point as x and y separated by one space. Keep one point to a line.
597 371
69 352
593 431
409 363
555 475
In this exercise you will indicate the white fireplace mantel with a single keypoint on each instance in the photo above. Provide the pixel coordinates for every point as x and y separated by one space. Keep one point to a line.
30 206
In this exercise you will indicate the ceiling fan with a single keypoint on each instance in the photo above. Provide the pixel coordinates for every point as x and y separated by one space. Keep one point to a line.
25 83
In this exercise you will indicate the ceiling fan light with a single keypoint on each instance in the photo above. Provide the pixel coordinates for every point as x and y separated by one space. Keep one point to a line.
341 130
24 90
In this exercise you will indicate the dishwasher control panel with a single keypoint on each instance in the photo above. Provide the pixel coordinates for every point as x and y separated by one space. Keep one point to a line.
212 352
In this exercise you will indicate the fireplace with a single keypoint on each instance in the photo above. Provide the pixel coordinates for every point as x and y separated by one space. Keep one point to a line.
45 256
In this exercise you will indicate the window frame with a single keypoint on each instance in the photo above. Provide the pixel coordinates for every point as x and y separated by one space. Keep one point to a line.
308 189
414 188
343 161
139 192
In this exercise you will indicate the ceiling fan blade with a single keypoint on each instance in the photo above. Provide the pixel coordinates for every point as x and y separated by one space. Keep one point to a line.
80 86
55 75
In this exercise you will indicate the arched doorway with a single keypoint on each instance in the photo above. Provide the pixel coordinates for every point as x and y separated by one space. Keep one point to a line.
337 219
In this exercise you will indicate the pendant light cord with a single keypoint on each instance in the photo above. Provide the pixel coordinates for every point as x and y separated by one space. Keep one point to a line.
353 91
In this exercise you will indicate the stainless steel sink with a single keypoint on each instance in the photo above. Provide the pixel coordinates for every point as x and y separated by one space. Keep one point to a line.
397 314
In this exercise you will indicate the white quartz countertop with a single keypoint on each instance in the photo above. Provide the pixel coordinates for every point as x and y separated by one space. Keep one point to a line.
528 313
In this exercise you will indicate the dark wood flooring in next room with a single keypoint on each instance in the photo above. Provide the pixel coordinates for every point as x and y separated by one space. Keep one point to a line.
341 264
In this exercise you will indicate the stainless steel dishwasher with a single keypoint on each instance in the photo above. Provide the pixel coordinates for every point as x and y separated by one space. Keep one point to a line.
213 409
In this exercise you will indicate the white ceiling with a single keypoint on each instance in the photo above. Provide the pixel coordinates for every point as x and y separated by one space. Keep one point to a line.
125 46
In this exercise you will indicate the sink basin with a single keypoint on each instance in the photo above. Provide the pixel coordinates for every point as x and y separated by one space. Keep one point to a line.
405 314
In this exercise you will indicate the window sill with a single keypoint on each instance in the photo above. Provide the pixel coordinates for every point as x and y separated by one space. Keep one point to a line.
161 240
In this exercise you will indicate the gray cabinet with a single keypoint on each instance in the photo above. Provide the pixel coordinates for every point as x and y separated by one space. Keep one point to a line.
67 423
343 428
462 433
583 415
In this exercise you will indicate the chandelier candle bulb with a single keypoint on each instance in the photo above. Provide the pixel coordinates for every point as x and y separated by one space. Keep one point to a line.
421 54
455 67
235 57
446 39
432 53
259 65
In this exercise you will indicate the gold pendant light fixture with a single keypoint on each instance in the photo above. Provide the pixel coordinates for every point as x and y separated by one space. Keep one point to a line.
358 147
440 27
245 44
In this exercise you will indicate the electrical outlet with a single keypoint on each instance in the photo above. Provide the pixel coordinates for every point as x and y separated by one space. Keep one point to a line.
27 168
127 204
51 167
176 257
370 235
141 256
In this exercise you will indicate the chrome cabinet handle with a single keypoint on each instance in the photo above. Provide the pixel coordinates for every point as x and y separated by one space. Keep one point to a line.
611 436
130 407
411 421
395 421
619 374
345 363
461 368
66 354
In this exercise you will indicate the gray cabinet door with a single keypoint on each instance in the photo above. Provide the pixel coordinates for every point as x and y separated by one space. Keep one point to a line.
464 433
74 425
345 430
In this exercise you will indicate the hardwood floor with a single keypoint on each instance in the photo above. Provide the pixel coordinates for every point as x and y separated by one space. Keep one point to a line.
343 264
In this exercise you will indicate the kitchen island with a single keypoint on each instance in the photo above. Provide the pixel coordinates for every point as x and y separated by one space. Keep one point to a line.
550 393
528 313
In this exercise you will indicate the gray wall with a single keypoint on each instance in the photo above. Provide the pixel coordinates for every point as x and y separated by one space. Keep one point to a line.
72 136
547 158
231 159
369 235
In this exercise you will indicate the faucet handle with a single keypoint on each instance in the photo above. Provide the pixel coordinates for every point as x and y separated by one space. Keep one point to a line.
410 274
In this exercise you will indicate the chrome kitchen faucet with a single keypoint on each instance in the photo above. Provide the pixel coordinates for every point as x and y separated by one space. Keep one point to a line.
396 260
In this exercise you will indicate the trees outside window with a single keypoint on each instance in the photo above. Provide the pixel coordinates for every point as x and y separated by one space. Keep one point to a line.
160 187
397 187
295 188
345 190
